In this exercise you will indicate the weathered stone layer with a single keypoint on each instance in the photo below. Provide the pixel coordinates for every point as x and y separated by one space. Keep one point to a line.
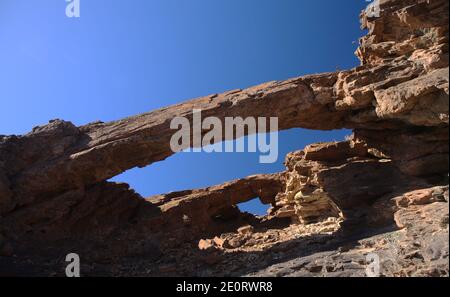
54 194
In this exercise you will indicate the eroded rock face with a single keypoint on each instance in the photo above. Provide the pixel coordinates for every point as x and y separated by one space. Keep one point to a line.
385 185
418 248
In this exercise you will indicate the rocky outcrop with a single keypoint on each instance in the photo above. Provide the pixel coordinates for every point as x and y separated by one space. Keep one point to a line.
55 198
418 248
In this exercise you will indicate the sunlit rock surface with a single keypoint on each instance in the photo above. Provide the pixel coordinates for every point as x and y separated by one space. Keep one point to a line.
383 191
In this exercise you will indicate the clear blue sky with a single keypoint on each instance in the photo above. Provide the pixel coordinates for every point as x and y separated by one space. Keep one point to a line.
126 57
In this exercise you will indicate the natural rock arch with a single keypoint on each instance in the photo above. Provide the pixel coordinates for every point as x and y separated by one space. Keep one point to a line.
53 179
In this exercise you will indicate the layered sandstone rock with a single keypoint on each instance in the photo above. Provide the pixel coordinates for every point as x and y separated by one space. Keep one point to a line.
55 198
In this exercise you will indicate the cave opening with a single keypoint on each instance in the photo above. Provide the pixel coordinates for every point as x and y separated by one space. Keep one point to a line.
254 207
186 170
229 190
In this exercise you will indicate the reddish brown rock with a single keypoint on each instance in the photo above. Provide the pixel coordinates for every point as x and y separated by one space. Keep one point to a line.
205 244
245 229
55 198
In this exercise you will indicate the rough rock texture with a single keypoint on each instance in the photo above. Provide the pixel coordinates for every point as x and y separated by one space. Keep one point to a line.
381 191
